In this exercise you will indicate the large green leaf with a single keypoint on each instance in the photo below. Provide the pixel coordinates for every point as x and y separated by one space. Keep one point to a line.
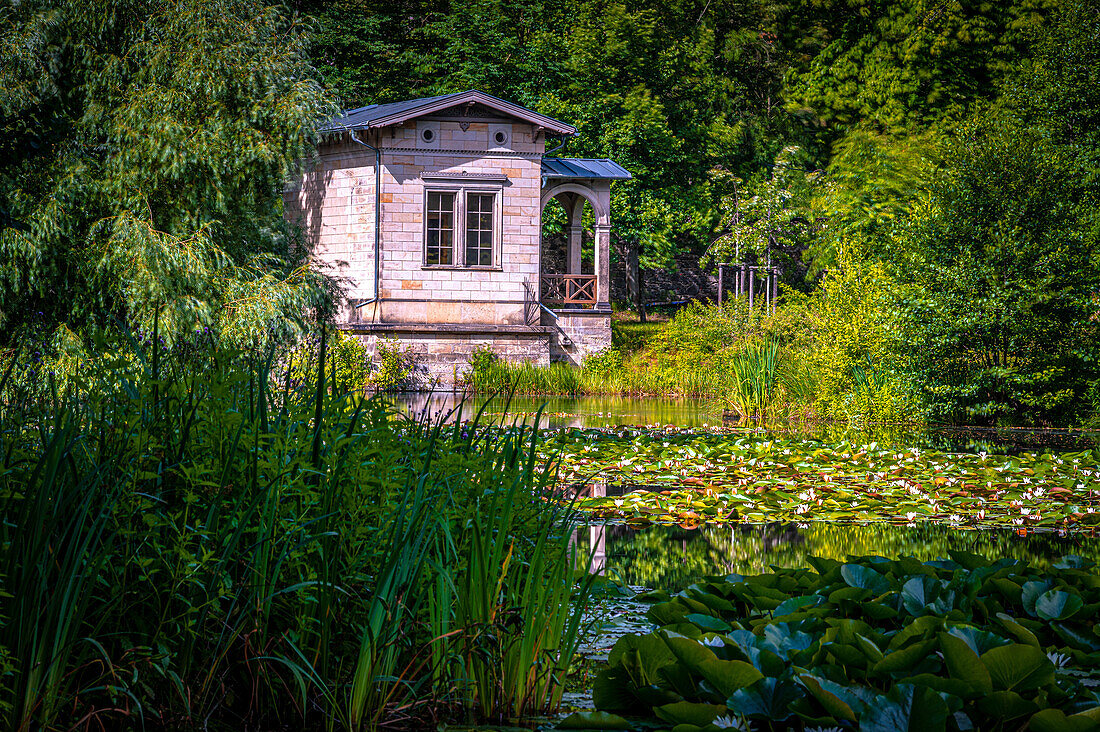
964 664
905 659
769 698
690 713
832 696
906 708
1018 667
729 676
857 575
593 720
688 651
1055 720
1005 705
1057 605
708 622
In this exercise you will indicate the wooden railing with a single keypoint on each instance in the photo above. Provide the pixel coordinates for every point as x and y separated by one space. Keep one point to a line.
573 289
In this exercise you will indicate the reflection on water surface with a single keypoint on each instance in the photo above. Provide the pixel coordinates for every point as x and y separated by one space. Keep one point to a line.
610 411
671 558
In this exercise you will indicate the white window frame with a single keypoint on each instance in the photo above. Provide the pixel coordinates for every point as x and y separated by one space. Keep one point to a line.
458 256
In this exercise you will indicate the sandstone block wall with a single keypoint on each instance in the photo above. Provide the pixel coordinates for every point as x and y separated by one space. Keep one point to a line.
442 359
578 334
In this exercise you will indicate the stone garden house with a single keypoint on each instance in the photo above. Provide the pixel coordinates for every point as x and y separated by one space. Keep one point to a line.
429 214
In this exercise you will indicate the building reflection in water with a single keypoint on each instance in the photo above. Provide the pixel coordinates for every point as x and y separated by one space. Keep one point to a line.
671 557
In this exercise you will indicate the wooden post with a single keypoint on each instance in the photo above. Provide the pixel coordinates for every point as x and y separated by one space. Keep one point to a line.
775 286
720 267
752 289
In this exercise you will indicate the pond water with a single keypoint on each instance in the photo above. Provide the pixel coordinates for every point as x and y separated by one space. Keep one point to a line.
670 558
589 411
608 411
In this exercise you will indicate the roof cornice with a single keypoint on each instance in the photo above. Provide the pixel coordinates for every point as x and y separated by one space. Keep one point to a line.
471 96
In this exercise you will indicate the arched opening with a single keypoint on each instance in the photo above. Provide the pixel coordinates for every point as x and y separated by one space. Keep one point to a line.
572 217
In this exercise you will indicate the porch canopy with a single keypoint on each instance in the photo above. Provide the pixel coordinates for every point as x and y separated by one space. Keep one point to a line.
573 181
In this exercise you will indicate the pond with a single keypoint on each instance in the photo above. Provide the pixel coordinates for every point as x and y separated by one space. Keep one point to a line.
558 411
609 411
671 558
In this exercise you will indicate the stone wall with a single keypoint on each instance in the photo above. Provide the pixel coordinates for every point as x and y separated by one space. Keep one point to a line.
577 334
689 281
443 355
415 292
332 200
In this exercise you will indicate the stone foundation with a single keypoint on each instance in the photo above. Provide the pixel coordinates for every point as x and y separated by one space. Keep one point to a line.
578 333
443 352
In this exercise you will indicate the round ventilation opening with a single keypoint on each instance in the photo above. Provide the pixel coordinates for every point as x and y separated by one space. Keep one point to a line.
500 137
427 135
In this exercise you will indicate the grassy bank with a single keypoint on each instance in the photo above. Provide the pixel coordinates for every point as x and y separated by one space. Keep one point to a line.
791 364
190 538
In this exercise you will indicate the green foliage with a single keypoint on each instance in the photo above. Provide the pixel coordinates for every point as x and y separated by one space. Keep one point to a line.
605 363
189 538
144 149
870 187
1000 266
347 362
754 380
769 221
897 66
721 477
395 365
887 645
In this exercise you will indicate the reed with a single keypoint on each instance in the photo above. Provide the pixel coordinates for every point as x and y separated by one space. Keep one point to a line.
754 380
194 538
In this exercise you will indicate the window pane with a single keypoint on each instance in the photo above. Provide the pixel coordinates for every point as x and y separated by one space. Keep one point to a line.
479 229
439 228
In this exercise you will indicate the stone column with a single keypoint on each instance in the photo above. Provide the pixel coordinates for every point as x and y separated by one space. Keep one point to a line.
603 266
576 231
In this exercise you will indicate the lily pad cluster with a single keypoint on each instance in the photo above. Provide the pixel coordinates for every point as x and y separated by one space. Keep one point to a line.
692 477
869 644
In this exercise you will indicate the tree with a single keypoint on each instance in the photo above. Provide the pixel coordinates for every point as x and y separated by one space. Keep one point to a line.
1004 256
145 146
771 219
899 65
1001 265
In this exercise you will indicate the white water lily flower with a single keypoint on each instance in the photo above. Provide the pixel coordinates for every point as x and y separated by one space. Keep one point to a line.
910 515
714 642
727 722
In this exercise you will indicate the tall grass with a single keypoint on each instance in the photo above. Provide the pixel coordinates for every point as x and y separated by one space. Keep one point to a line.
559 379
195 539
754 380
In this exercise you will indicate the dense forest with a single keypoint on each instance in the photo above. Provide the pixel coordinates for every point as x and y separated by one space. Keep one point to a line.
924 170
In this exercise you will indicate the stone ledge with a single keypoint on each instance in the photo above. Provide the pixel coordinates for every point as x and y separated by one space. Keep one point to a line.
583 312
449 329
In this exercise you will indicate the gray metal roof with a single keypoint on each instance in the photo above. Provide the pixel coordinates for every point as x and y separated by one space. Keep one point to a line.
584 169
382 115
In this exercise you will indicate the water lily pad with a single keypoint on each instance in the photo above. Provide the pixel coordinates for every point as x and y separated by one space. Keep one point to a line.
1057 605
690 713
593 721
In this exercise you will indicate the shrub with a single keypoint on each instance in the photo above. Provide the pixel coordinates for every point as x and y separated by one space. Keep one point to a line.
395 365
605 363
